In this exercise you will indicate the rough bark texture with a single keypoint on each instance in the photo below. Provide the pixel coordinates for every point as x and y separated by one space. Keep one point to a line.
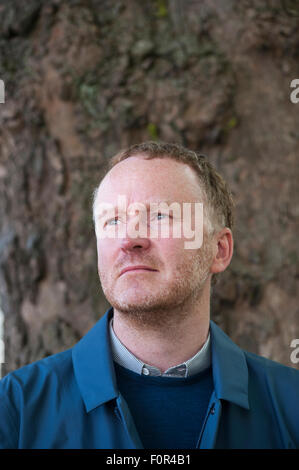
86 78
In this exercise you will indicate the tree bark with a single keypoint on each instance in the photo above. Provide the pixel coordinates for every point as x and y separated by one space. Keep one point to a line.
84 79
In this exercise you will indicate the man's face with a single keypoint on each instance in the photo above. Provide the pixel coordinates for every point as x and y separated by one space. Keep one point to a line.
178 274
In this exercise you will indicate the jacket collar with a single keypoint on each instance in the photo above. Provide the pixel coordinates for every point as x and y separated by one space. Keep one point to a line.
230 372
93 365
95 375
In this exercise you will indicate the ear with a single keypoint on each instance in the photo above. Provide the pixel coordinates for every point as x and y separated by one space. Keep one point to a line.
224 247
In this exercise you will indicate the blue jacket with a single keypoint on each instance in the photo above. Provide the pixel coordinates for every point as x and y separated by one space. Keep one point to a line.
71 400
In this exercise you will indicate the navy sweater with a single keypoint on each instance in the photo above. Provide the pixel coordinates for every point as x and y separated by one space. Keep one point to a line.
168 412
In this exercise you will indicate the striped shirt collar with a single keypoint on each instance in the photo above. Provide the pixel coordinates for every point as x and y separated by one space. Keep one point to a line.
122 356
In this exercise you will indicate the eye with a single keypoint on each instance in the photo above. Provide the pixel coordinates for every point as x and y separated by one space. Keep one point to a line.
111 221
161 216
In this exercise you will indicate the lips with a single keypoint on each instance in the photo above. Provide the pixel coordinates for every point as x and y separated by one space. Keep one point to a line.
137 268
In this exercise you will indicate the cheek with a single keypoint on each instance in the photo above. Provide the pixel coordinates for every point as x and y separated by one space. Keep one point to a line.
178 259
172 250
105 250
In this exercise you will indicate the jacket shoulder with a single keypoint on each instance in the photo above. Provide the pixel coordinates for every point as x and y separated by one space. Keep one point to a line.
39 377
277 387
56 364
20 391
275 369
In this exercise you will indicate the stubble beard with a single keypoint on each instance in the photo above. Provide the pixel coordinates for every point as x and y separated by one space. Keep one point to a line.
170 304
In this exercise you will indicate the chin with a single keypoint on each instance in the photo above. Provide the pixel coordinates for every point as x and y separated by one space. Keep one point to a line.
136 302
142 303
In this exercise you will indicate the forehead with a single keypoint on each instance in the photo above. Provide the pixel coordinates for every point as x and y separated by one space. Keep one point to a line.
141 180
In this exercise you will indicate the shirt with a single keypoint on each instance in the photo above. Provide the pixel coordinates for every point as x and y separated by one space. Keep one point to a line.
199 362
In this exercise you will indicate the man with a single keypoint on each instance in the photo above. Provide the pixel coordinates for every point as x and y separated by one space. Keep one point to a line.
155 371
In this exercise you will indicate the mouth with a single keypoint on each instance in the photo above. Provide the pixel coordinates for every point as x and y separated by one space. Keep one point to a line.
137 268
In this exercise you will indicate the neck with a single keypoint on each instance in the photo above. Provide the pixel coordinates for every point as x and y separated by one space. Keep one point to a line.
178 338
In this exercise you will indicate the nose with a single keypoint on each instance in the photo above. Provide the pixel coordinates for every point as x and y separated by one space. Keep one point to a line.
135 239
134 244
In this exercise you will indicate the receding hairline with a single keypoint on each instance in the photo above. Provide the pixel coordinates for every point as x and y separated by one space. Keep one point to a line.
145 156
